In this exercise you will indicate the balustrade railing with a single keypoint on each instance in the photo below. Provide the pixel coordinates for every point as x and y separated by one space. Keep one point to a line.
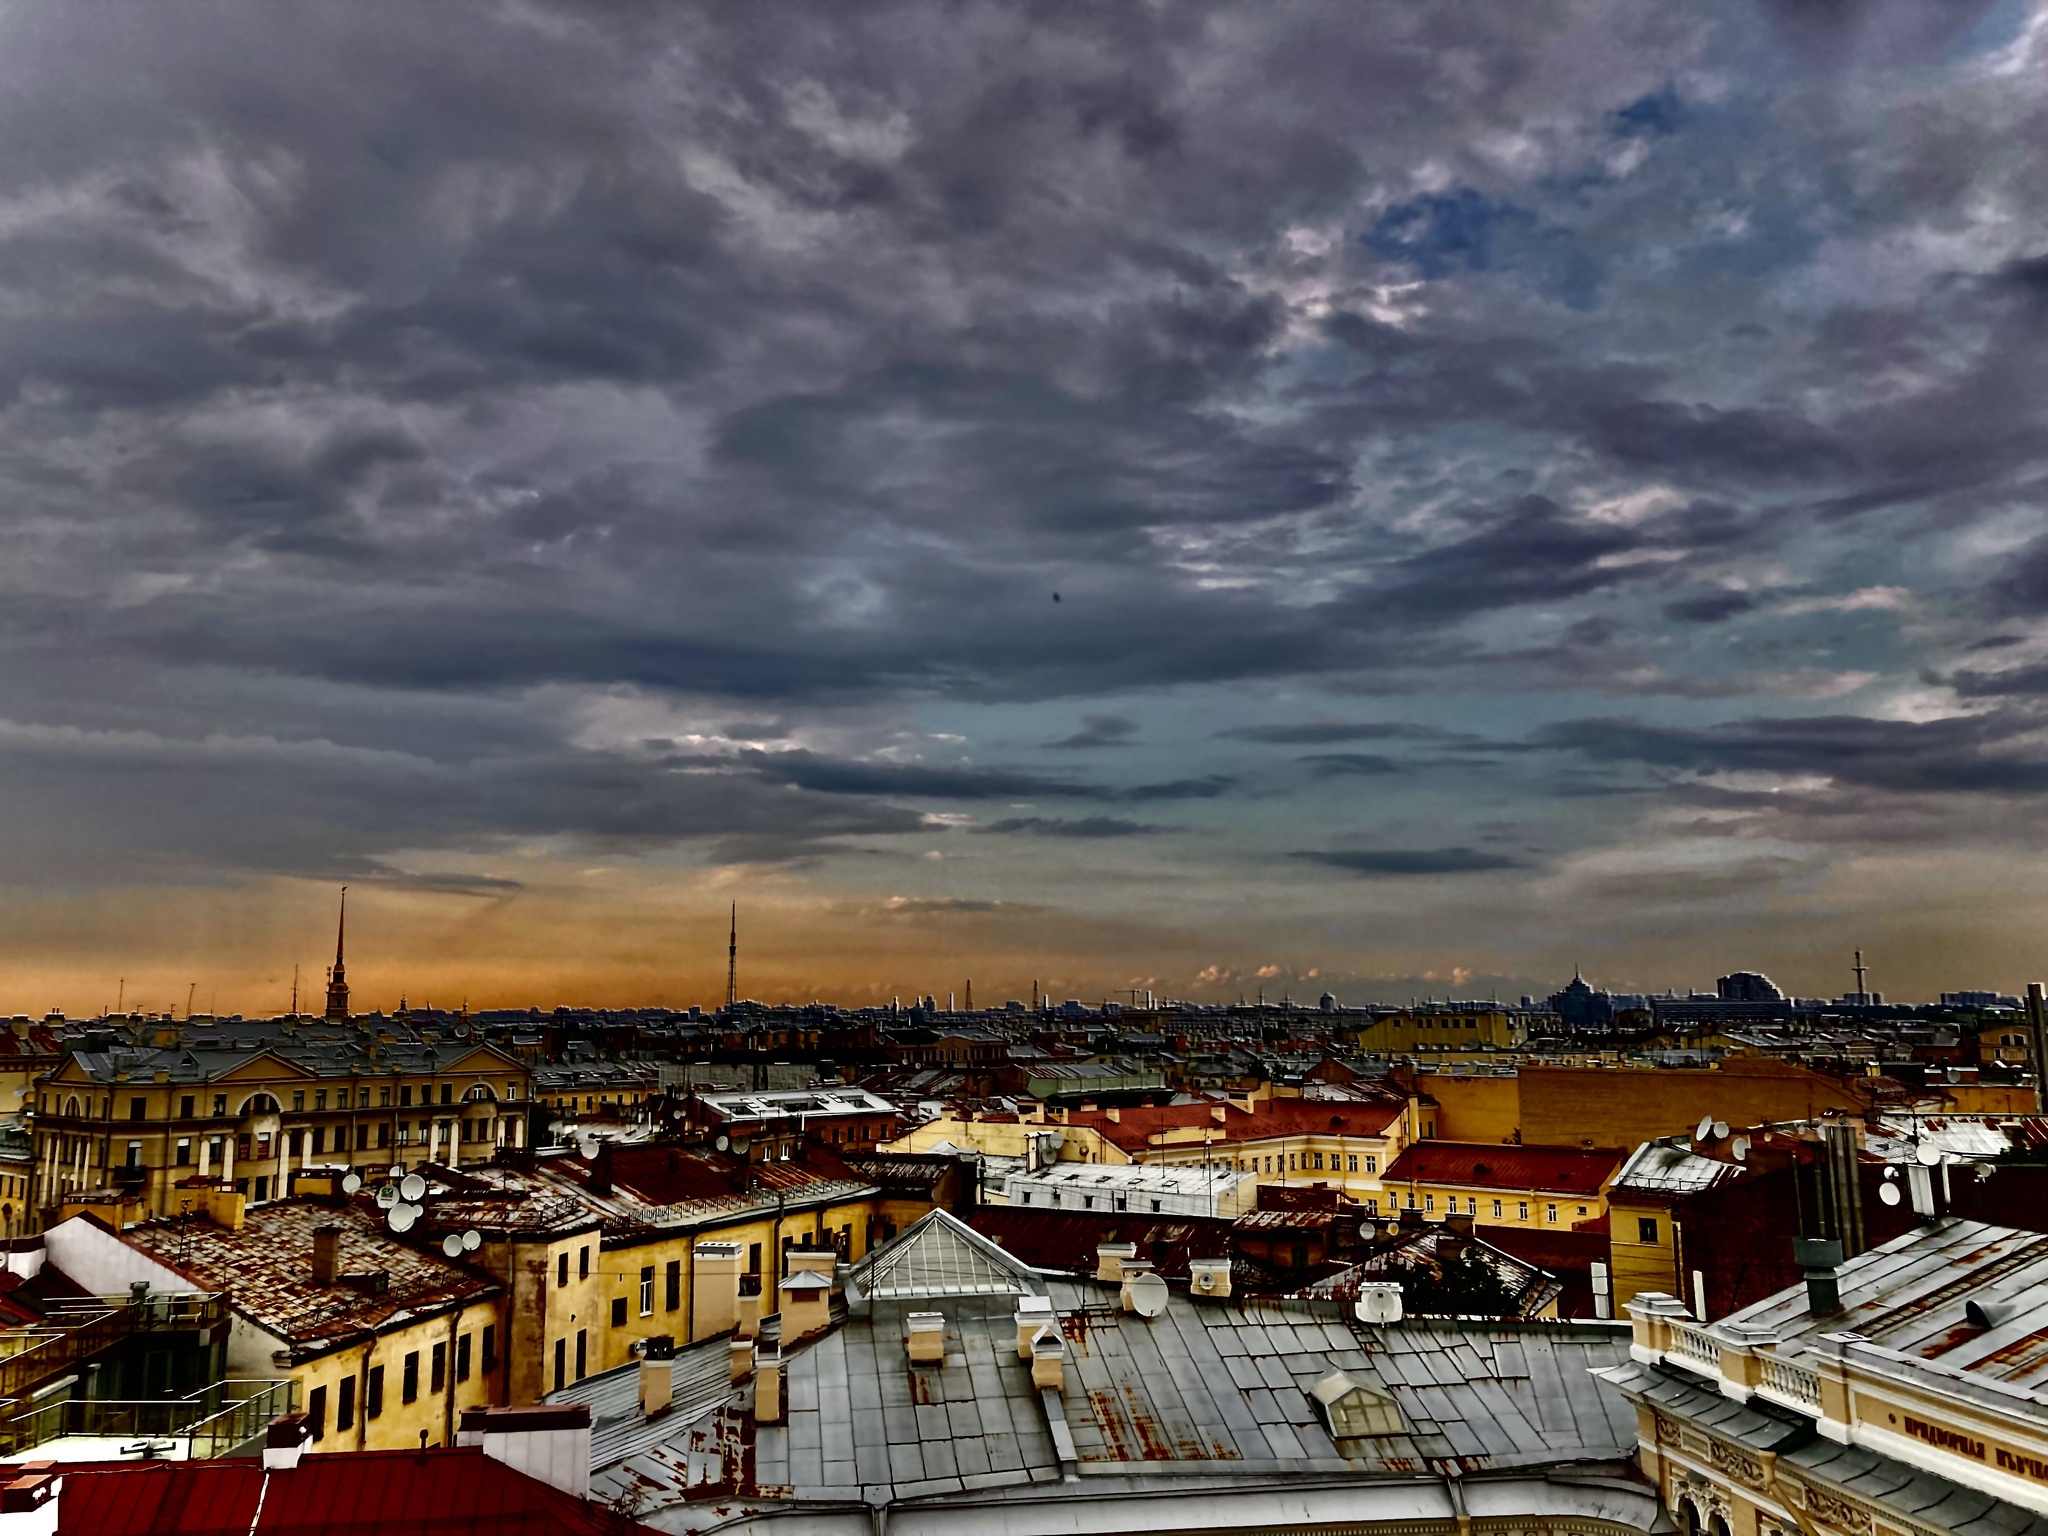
1695 1346
1797 1385
216 1420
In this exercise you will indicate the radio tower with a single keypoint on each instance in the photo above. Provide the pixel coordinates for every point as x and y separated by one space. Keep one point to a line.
1862 987
732 960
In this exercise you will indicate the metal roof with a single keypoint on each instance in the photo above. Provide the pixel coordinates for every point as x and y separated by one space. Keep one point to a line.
1222 1390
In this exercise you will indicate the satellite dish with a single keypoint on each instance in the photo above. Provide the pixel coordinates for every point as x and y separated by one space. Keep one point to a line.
350 1183
1929 1153
413 1187
1379 1301
1704 1128
402 1217
398 1170
724 1143
1739 1149
387 1196
1720 1129
452 1245
1891 1173
472 1240
1148 1295
587 1146
1888 1193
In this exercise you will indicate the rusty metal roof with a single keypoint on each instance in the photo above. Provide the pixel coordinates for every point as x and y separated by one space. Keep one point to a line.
266 1269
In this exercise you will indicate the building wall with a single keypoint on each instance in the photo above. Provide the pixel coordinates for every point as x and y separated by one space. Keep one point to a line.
399 1424
1479 1109
1422 1029
1625 1106
369 1120
1547 1210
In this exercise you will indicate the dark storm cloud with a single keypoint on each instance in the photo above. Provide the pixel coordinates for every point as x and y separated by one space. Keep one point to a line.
1100 730
1322 732
383 390
1977 754
1082 827
1411 861
1352 764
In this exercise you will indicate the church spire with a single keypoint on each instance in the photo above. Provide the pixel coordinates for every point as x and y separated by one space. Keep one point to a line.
337 979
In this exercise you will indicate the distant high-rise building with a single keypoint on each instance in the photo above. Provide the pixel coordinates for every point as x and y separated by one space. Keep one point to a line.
1748 987
1579 1005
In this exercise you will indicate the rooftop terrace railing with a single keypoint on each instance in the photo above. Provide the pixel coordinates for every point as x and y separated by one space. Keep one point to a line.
78 1328
216 1420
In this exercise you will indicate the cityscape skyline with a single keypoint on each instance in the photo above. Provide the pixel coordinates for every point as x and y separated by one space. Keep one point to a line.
1133 497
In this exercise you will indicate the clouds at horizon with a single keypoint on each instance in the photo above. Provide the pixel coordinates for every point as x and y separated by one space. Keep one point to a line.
1512 480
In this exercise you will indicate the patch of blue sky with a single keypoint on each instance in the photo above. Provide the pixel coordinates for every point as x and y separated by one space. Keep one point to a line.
1659 113
1442 234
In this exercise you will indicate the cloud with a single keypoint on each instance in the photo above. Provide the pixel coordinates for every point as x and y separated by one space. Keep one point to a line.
1081 827
1319 732
1404 862
1356 764
1098 730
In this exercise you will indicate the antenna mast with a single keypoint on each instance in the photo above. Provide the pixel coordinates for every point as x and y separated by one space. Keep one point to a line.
732 960
1862 992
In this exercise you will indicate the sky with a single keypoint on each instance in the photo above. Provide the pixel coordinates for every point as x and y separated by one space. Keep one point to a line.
1218 499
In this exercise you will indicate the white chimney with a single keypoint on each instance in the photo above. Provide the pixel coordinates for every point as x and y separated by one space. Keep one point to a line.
551 1444
284 1442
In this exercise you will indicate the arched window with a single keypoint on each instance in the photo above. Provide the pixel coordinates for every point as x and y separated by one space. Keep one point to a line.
71 1106
480 1093
260 1104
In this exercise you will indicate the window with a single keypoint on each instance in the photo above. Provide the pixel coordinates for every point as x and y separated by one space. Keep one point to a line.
511 1090
373 1393
134 1154
263 1147
753 1258
384 1098
409 1390
1351 1163
316 1412
490 1345
138 1109
647 1290
384 1135
447 1093
345 1409
319 1139
263 1189
1372 1164
1582 1210
672 1288
1646 1229
1496 1210
618 1311
184 1151
320 1098
220 1103
561 1269
242 1145
1522 1210
561 1368
438 1372
462 1357
1318 1160
405 1096
1429 1202
583 1265
363 1098
299 1102
185 1107
1550 1213
582 1351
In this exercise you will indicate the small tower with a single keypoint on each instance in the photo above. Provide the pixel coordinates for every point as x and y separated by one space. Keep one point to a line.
732 960
337 980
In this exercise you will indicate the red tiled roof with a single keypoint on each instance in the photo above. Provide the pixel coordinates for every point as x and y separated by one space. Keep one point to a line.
665 1175
1484 1165
451 1492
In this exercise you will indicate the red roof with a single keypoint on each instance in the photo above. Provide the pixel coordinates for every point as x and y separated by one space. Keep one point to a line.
1268 1118
1488 1165
1066 1240
451 1492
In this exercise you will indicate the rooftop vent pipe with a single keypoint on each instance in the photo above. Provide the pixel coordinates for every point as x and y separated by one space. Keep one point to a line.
1820 1257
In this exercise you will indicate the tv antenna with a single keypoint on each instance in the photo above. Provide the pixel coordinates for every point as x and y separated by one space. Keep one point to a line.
732 960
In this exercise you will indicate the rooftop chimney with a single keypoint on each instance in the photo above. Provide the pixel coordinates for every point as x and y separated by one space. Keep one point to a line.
326 1255
284 1441
1819 1257
768 1385
551 1443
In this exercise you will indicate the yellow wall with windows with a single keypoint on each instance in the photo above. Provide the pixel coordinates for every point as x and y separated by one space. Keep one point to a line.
397 1423
1642 1250
1490 1206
